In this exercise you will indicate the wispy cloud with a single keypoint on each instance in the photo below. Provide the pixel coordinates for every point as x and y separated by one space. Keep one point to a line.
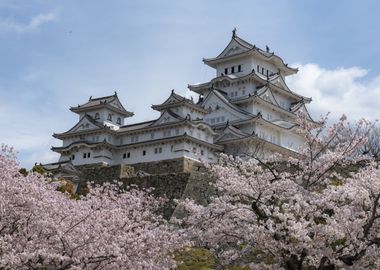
10 25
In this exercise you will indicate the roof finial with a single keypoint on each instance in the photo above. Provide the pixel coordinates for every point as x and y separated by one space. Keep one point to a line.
172 91
267 48
88 99
234 32
115 93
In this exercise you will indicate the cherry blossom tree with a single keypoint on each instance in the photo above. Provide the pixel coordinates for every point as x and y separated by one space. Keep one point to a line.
319 209
41 228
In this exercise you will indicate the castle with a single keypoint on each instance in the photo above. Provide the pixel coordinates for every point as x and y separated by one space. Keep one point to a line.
246 107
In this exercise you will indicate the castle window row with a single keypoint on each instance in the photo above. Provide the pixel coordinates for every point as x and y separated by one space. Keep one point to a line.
264 71
157 150
236 93
232 69
219 119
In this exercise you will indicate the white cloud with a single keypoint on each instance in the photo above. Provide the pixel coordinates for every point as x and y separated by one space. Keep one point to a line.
34 23
339 91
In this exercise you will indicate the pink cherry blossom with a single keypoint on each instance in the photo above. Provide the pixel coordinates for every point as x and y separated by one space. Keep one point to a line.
41 228
319 209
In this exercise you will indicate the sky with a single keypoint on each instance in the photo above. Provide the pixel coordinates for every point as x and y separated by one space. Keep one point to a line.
56 54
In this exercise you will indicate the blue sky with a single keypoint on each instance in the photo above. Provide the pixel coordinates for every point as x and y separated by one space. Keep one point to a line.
55 54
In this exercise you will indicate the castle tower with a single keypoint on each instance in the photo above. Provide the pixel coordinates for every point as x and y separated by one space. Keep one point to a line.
249 103
92 138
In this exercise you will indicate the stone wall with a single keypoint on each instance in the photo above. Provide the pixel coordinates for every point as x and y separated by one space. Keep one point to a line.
172 179
178 165
169 186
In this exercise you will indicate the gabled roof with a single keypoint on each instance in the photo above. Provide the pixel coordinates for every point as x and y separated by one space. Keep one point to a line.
279 124
167 119
184 136
266 94
175 100
111 102
237 47
231 133
62 167
301 107
272 83
80 143
84 125
220 96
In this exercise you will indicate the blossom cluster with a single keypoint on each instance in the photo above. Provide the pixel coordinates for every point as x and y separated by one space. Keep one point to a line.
319 209
41 228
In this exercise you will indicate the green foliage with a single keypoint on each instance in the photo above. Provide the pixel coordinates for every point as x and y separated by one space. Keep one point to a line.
259 256
38 169
239 268
195 259
23 171
320 220
336 182
68 187
339 242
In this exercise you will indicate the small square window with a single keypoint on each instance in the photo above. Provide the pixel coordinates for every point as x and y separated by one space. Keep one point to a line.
202 152
73 157
155 150
128 155
232 69
144 153
84 155
88 155
124 155
226 71
239 68
160 150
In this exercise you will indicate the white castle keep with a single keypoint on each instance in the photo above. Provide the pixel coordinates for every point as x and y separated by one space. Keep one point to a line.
246 107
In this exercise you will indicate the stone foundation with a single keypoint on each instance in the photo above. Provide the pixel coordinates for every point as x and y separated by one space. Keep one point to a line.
178 165
172 179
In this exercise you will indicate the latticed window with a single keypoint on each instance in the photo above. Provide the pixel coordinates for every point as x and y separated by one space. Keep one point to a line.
118 121
109 117
97 116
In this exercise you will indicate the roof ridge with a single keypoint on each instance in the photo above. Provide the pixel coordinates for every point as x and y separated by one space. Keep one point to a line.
99 98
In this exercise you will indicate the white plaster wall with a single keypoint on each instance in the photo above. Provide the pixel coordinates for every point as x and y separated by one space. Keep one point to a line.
267 133
291 140
184 111
245 67
94 156
255 61
170 150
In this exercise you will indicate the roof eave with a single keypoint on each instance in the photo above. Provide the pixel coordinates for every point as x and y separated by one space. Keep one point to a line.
79 110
